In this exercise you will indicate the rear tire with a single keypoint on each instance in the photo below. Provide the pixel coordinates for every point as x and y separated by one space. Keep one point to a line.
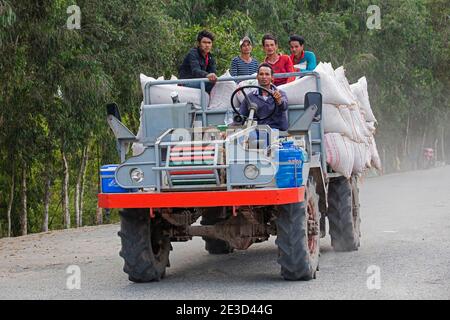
344 214
145 246
298 237
215 246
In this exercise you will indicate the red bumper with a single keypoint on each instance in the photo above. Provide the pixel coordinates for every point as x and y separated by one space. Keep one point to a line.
253 197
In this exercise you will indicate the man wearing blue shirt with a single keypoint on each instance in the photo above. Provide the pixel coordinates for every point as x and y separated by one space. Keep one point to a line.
301 59
265 103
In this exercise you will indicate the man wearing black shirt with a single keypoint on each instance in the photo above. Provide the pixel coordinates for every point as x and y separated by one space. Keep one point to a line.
199 62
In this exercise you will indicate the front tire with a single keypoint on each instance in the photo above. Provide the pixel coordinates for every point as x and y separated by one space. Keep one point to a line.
298 237
145 246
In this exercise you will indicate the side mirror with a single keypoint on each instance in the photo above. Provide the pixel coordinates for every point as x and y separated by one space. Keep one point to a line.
313 112
123 135
314 98
113 109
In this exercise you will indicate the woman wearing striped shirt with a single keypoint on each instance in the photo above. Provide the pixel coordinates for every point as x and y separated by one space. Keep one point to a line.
244 64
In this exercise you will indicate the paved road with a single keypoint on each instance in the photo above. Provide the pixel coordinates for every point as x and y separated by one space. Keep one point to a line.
406 237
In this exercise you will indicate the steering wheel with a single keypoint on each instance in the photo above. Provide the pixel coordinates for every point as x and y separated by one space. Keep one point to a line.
249 102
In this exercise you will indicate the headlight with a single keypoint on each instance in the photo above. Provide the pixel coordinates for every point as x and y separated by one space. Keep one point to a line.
137 175
251 171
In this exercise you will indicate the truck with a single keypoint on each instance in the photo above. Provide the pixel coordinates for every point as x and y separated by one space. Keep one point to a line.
194 167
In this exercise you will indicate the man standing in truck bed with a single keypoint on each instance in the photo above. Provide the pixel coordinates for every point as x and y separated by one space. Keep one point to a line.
302 60
199 62
280 63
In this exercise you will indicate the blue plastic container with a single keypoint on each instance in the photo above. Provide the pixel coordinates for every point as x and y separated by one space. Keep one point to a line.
290 159
109 184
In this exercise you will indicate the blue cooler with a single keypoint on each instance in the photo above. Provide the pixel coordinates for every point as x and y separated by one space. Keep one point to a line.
290 169
109 184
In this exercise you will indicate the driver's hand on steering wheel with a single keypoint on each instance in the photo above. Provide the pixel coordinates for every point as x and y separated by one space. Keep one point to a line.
278 97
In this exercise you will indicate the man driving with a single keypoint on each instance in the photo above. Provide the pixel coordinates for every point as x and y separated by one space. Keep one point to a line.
266 103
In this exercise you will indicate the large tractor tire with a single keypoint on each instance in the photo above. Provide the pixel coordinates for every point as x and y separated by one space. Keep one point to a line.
145 246
344 214
298 237
215 246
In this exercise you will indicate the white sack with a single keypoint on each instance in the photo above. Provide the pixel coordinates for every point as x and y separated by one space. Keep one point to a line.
333 121
340 153
160 94
359 122
332 91
328 68
221 93
375 156
296 90
356 134
340 76
340 73
360 162
368 154
239 97
359 89
371 127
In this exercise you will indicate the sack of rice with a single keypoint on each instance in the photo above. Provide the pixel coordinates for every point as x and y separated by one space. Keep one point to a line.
239 97
375 156
161 94
360 162
221 93
359 89
358 120
340 76
340 153
371 127
333 121
332 91
356 134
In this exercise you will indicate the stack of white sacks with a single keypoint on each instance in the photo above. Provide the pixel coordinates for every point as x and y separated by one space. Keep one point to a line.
349 122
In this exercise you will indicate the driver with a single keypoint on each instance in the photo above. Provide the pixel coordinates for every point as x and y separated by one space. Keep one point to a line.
265 102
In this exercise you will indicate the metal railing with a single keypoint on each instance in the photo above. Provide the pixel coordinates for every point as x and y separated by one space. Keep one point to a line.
202 81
